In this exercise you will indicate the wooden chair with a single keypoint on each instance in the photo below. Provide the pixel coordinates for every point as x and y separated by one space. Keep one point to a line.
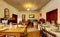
27 23
24 34
48 34
43 33
35 24
2 35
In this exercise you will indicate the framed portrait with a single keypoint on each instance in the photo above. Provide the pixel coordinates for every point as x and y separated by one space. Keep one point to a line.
23 17
31 16
6 13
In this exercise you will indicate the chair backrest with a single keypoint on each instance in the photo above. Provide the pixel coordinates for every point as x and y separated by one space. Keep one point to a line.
43 33
50 34
5 21
35 24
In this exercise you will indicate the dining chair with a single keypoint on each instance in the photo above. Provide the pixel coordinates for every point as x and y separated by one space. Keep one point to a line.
2 35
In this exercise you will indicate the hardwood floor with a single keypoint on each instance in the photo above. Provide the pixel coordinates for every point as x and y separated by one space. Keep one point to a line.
34 34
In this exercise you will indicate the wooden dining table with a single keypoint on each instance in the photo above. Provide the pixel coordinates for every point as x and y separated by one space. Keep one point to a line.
13 31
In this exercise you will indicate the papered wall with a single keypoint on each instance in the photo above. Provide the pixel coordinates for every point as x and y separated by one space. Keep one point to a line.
13 10
53 4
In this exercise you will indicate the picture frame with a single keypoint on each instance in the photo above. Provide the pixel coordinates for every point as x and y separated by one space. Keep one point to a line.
31 16
6 13
23 17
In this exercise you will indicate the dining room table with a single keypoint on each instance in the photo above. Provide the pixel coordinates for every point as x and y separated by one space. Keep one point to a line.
15 30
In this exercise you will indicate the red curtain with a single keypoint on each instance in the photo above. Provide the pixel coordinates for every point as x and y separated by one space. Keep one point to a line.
52 16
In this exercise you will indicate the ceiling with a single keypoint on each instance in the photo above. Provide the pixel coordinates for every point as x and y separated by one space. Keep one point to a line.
23 5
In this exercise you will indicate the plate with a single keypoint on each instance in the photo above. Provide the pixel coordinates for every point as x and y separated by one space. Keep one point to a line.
20 25
3 28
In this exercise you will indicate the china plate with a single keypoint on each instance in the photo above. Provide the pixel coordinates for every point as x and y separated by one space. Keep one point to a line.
3 28
20 25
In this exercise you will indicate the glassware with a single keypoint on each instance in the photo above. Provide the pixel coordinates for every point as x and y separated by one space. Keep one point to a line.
15 26
10 25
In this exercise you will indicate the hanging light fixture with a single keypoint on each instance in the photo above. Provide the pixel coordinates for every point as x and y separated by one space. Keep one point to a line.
28 9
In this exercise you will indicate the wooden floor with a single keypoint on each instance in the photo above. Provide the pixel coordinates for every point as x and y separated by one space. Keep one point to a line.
34 34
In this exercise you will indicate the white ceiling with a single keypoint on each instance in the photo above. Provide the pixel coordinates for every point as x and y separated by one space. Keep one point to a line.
22 4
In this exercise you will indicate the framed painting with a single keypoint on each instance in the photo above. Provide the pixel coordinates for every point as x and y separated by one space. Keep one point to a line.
6 13
31 16
23 17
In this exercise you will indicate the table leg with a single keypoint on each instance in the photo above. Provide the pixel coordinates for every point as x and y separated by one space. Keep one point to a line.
18 35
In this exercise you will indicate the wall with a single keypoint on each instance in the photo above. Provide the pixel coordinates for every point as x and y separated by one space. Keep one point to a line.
3 5
59 11
53 4
27 14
